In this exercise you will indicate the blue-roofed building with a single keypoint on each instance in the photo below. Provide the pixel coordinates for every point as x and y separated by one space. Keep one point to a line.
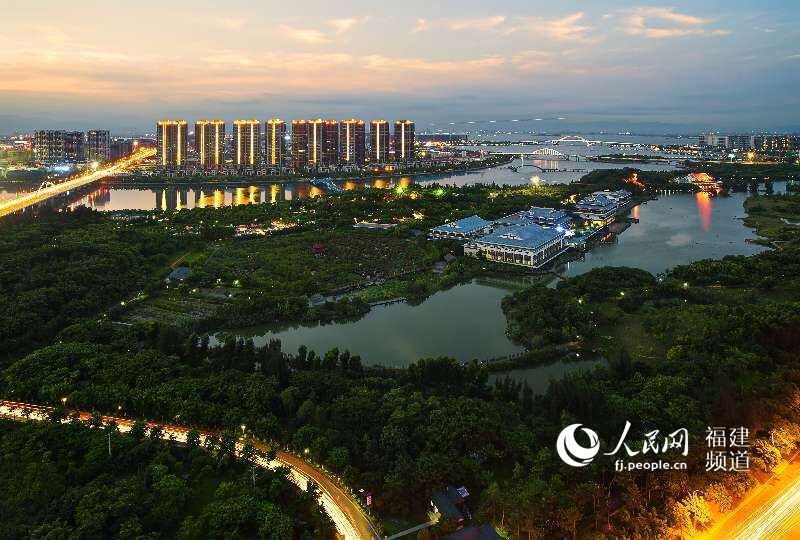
529 245
601 207
546 217
462 229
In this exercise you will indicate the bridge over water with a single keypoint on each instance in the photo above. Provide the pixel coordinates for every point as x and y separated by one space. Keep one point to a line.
48 190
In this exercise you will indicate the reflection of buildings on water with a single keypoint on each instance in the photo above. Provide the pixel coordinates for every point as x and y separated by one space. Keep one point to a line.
704 202
171 199
97 198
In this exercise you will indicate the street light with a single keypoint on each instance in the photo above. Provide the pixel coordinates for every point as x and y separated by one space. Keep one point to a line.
63 400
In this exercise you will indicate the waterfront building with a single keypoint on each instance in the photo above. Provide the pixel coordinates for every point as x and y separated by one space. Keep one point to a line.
209 143
462 229
74 146
525 245
352 137
379 141
546 217
98 145
299 145
120 148
172 143
48 145
331 147
246 143
601 207
275 142
404 140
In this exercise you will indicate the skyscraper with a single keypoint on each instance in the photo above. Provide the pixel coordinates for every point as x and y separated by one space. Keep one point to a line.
246 142
98 145
172 141
404 140
330 143
299 145
275 142
316 142
379 141
48 145
352 137
209 143
74 146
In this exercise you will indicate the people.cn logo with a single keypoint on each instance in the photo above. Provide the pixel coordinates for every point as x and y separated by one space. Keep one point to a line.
571 452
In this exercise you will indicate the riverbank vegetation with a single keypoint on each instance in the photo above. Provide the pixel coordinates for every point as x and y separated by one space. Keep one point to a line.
710 343
59 481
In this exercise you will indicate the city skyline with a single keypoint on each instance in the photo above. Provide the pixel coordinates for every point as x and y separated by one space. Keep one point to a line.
576 66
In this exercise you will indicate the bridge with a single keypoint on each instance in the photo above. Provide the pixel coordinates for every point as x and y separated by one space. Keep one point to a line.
48 190
573 139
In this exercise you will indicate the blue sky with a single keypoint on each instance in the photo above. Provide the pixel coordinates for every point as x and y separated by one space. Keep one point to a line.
644 66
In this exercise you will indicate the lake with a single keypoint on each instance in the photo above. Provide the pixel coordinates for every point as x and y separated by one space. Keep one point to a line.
466 321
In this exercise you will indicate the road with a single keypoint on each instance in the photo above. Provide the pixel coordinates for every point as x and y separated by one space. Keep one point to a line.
28 199
770 511
346 514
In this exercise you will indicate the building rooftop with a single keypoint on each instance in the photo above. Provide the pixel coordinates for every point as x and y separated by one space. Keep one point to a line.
545 214
464 226
180 273
597 201
446 507
528 236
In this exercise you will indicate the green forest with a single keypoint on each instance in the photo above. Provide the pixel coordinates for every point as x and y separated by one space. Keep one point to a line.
710 342
76 480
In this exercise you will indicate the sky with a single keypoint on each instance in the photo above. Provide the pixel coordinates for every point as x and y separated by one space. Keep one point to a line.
676 67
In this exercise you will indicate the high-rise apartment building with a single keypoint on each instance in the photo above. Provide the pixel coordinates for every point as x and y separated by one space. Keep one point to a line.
404 140
275 142
74 146
330 143
121 148
246 142
300 131
379 141
209 143
98 145
352 140
48 145
172 142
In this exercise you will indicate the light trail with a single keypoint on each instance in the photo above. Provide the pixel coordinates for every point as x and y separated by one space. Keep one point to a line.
23 201
349 520
775 518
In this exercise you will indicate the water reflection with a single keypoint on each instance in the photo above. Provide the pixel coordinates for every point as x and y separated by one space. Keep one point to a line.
704 207
118 197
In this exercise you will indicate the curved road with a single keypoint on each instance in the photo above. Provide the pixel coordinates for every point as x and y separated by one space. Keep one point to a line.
770 512
346 514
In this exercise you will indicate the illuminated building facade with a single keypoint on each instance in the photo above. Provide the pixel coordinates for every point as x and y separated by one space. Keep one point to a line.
246 142
330 143
353 140
275 142
379 141
74 146
98 145
299 145
48 145
172 142
209 143
404 140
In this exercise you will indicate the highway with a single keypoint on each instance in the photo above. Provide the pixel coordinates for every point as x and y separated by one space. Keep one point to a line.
770 511
28 199
346 514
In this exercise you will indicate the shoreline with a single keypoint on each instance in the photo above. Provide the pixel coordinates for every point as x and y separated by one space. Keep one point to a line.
237 180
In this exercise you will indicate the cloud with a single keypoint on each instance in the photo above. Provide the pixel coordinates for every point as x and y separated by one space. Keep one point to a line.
567 28
661 23
310 36
478 24
793 57
343 25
